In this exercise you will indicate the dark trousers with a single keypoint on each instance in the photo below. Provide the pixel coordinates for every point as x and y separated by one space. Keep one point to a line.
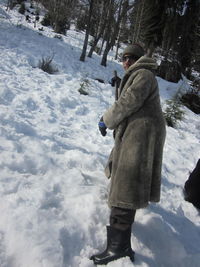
121 219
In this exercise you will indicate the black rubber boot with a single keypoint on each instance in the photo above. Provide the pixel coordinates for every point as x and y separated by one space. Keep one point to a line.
118 246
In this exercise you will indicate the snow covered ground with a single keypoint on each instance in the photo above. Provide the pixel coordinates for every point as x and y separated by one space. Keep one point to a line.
53 192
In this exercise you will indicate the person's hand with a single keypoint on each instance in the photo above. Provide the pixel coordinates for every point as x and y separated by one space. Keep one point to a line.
102 127
115 81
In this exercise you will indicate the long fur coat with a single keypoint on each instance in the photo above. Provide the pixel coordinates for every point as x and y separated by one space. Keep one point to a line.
135 161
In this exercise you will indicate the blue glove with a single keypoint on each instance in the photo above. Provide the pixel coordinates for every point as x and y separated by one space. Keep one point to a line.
102 127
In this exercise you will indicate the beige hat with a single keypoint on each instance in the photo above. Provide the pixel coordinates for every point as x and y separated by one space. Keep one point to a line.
134 49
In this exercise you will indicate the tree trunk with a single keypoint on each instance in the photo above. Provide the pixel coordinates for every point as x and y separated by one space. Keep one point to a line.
117 47
83 54
102 45
105 54
93 46
111 40
137 27
102 26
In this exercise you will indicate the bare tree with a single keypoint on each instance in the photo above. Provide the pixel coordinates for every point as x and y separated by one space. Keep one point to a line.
123 34
117 11
83 54
136 20
101 26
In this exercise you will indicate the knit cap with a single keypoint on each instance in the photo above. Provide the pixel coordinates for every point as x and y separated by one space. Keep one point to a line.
134 49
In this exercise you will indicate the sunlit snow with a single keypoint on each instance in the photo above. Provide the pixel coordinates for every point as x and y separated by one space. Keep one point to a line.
53 191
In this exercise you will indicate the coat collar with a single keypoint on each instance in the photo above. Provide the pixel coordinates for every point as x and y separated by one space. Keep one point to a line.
143 63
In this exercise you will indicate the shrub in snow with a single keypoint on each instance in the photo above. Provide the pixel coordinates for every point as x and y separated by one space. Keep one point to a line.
47 66
22 9
58 37
46 20
61 26
83 87
191 99
173 112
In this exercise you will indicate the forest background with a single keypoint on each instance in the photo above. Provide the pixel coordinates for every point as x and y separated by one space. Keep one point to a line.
170 28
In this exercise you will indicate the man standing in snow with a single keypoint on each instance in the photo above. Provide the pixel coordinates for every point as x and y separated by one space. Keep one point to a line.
134 165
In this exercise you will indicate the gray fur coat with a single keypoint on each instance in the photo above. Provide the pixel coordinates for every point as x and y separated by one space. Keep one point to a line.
135 161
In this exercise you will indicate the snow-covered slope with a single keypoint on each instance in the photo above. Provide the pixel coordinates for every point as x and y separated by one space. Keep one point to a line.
53 192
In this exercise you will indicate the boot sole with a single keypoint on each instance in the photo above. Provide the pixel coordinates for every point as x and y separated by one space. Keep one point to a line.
106 261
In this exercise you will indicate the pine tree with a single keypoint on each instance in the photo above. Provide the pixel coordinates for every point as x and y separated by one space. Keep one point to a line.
152 24
186 47
178 44
136 20
196 55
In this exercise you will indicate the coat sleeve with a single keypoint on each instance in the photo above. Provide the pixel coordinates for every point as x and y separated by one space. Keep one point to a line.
130 101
